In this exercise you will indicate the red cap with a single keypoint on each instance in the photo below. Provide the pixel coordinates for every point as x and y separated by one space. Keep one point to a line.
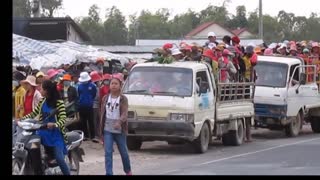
95 76
236 39
167 46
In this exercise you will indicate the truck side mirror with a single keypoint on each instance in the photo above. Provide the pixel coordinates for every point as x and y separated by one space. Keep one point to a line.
303 78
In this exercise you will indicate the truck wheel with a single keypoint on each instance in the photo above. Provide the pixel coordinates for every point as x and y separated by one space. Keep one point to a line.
134 143
226 139
235 137
202 142
293 128
315 124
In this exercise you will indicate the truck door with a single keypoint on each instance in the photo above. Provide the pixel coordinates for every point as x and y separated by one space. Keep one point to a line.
204 98
300 93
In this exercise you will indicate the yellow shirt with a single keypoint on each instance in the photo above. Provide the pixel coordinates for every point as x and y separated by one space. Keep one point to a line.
19 101
247 62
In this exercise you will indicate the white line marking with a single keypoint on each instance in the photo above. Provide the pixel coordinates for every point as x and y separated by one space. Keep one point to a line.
254 152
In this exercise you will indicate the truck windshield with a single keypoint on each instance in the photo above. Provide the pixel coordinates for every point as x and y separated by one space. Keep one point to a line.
163 81
271 74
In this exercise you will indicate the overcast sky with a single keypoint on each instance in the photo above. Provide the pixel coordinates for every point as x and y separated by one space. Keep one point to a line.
78 8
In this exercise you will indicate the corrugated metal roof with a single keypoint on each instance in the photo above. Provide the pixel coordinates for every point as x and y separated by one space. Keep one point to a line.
161 42
128 49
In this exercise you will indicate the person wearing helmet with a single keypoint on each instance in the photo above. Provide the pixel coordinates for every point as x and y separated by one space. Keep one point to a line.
68 93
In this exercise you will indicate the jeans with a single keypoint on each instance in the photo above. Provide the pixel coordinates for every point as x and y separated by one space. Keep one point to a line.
121 142
59 156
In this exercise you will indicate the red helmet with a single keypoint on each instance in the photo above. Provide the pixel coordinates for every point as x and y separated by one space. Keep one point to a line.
95 76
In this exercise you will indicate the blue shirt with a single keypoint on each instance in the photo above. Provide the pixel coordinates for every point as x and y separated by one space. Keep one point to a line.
51 137
87 92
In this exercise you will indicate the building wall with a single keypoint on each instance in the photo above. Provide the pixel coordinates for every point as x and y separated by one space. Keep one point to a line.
218 30
245 34
73 35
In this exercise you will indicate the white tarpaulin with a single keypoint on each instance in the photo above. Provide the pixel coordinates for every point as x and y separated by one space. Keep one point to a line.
43 54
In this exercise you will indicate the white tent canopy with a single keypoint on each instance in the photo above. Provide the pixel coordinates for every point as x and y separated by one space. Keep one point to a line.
43 54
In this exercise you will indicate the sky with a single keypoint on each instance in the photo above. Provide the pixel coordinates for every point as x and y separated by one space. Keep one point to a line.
79 8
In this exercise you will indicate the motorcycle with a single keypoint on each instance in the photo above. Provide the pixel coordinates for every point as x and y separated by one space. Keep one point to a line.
26 139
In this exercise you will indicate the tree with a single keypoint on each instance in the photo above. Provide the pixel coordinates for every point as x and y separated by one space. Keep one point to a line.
153 26
286 22
218 14
253 22
21 8
240 20
50 6
94 13
133 29
92 25
183 24
115 30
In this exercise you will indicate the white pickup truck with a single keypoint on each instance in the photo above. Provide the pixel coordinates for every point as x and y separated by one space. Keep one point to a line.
286 95
180 102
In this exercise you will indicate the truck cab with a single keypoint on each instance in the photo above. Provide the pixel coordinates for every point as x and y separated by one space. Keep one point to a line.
177 103
283 97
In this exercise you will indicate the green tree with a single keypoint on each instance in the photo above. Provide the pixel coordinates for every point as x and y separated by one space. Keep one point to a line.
240 20
183 24
115 30
218 14
21 8
50 6
92 25
153 26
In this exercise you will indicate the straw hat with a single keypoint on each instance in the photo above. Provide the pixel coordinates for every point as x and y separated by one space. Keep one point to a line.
31 80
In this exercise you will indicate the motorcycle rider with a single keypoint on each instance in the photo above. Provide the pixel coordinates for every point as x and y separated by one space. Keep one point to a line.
54 137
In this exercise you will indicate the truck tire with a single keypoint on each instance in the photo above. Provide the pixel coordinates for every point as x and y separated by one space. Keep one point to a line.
235 137
201 144
315 124
293 129
134 143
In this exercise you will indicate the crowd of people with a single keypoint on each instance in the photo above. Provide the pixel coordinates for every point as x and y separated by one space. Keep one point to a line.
96 98
101 119
232 62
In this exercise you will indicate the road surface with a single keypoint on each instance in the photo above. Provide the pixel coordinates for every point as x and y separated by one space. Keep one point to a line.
270 153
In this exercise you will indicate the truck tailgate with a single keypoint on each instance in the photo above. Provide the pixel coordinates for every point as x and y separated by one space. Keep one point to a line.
234 110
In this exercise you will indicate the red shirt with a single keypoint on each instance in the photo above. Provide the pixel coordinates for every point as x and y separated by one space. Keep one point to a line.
103 91
28 103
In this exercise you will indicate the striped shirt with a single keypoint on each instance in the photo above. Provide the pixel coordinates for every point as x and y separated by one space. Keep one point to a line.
60 115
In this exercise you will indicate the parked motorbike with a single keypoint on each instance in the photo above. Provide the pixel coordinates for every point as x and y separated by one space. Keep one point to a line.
26 139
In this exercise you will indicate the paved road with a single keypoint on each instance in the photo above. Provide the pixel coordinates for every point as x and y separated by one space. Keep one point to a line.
271 153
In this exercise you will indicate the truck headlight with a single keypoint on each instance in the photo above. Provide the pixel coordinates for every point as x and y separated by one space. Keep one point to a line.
131 115
182 117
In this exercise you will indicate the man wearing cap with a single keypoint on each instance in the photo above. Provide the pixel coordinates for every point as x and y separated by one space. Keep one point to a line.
32 96
87 92
177 55
212 39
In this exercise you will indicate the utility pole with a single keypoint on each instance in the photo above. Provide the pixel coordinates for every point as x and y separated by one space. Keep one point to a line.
260 20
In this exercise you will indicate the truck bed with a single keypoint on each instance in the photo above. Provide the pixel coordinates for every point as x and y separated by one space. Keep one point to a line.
235 100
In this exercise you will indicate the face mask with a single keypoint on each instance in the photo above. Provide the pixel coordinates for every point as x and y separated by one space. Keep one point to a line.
107 83
66 83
